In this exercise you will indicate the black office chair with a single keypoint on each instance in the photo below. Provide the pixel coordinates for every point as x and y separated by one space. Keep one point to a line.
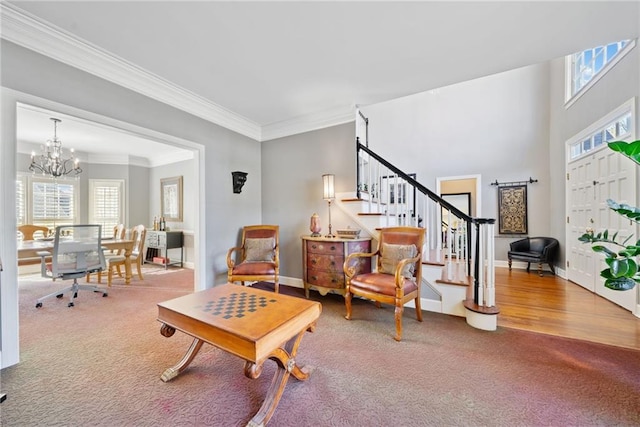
77 251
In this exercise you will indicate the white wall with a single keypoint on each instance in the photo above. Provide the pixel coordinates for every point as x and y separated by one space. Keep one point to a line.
496 127
620 84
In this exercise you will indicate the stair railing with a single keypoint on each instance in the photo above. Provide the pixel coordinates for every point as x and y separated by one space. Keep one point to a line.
401 200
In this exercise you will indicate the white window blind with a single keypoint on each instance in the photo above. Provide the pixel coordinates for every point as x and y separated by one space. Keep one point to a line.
106 204
21 198
53 203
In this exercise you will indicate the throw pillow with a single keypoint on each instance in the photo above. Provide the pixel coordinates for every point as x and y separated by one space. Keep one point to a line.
259 250
393 254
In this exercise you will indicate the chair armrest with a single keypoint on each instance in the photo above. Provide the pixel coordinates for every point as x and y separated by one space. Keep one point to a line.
43 263
399 278
548 250
349 270
519 245
230 261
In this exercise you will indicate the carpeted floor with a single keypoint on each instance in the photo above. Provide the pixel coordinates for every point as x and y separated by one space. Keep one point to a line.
99 363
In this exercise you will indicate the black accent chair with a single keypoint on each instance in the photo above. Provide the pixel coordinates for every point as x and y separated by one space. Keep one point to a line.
534 249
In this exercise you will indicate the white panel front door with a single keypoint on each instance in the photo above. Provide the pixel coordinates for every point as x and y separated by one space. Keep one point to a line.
592 180
616 181
580 191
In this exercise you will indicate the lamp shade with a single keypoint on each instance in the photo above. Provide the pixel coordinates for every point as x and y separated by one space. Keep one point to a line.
328 189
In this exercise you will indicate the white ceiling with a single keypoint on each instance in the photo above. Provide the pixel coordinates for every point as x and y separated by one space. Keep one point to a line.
274 63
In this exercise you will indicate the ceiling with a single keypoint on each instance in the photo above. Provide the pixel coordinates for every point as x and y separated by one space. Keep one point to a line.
276 64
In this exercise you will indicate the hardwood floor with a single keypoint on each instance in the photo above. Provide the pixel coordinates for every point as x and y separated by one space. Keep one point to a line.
555 306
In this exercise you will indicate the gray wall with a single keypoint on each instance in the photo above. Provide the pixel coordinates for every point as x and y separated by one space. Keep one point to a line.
220 212
496 127
292 185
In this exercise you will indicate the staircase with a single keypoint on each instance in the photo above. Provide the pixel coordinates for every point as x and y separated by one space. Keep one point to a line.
458 255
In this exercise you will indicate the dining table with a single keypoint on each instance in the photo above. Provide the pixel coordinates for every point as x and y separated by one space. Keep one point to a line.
30 249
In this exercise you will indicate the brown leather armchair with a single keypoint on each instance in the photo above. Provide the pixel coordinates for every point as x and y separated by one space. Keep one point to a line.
534 249
258 257
398 276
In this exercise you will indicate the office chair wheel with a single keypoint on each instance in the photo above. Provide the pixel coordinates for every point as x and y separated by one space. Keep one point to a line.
38 305
105 295
75 295
70 304
59 296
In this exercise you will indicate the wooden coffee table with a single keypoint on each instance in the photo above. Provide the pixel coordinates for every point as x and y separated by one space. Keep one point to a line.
253 324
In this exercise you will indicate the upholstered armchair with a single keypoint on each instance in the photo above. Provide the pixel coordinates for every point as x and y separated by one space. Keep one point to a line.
398 276
258 256
534 249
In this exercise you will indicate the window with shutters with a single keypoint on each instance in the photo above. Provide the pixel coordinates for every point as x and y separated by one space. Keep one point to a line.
106 204
46 201
53 202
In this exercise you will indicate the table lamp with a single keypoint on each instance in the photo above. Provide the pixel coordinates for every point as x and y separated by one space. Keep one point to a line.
328 193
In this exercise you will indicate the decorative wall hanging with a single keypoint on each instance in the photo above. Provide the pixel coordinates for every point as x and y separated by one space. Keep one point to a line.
512 209
171 198
239 178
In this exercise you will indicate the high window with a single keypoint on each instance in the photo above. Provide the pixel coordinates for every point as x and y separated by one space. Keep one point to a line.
586 67
616 126
106 204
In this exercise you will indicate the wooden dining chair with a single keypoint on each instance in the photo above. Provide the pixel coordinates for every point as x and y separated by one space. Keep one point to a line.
398 276
119 231
138 235
29 231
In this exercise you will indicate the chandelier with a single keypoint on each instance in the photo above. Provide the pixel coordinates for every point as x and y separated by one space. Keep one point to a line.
52 161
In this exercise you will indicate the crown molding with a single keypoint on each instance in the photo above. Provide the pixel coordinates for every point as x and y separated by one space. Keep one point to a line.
24 29
29 31
309 122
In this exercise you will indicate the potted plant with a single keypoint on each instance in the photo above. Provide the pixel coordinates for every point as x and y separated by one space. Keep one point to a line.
622 272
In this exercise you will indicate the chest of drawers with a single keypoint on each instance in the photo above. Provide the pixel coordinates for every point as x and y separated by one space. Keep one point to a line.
322 260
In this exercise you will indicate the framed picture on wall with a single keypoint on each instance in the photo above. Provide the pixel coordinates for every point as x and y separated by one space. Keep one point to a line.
512 209
171 198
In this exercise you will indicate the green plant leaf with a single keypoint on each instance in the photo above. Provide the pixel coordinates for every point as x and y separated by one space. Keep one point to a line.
608 252
620 284
629 149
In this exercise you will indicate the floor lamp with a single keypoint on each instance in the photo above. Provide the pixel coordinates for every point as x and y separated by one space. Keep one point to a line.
328 193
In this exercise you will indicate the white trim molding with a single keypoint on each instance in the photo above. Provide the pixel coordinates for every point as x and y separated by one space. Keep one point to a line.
29 31
24 29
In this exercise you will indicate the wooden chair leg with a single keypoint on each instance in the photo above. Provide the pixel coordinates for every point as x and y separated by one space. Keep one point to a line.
418 309
347 304
398 317
540 269
109 277
277 285
510 263
139 267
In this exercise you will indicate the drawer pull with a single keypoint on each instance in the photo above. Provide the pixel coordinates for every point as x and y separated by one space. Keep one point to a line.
314 261
314 246
333 248
334 281
333 263
314 277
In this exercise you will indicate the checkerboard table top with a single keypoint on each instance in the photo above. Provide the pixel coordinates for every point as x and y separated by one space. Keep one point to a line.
234 313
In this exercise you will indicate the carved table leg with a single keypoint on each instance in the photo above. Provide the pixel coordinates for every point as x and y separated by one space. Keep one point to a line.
173 371
285 359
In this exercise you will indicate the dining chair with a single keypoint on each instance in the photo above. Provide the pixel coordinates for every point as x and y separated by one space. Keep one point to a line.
77 250
29 231
398 276
258 256
138 235
119 232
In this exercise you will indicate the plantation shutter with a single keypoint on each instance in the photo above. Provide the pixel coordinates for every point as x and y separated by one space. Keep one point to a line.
107 204
53 203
